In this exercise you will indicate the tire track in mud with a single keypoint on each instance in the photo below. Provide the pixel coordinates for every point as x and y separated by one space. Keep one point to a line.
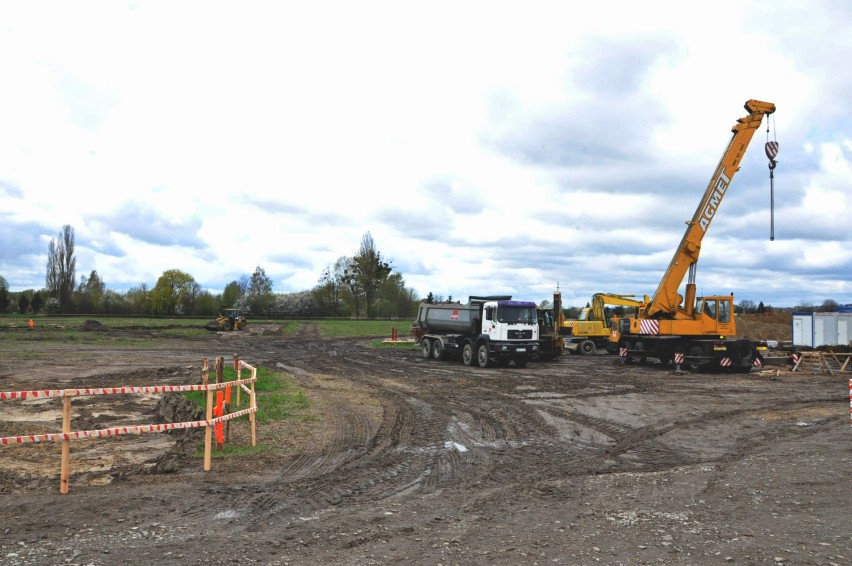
446 427
424 443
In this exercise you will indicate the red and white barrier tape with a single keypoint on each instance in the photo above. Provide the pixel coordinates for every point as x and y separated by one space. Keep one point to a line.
45 393
119 430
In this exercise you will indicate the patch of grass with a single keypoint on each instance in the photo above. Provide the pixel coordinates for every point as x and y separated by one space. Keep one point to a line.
401 345
362 328
290 327
185 332
230 450
277 398
279 406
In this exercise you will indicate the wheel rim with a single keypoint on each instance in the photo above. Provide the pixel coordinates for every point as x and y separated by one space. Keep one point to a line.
695 351
467 355
438 350
482 356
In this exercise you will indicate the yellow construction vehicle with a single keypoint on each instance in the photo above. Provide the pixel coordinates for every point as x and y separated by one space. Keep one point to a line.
591 329
697 331
551 343
229 319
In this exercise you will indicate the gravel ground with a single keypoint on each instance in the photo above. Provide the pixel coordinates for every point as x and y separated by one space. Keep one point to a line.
406 460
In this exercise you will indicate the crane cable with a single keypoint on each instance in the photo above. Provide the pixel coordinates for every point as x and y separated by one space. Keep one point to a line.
771 149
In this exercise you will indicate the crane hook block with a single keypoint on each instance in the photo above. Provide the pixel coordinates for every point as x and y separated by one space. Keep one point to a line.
772 150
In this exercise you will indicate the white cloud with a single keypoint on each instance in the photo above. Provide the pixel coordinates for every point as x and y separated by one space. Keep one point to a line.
486 146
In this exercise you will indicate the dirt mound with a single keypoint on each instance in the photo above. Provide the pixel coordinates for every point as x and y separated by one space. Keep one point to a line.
768 326
93 325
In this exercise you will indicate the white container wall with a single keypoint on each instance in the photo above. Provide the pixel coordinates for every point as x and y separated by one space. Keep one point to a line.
821 328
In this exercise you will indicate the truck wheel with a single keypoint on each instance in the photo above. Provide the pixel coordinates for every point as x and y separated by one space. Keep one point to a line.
438 350
467 354
587 347
426 348
482 355
639 359
696 366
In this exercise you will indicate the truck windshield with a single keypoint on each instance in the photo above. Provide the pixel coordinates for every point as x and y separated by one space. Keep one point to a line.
516 315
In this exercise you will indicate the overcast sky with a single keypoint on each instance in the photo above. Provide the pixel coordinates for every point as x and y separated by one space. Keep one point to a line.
488 147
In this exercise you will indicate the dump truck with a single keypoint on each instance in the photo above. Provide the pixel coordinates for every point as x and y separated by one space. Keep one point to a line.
488 330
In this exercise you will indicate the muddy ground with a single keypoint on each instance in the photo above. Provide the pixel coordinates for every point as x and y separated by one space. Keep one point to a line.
401 460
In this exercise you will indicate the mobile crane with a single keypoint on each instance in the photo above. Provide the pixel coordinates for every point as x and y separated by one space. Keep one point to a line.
697 331
591 329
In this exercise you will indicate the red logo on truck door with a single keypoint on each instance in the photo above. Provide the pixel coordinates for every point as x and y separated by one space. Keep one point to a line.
455 315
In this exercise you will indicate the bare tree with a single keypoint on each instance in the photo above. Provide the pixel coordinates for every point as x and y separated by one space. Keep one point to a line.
61 267
366 272
259 293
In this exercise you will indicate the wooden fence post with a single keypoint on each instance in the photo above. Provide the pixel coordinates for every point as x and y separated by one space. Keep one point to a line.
66 444
237 370
208 430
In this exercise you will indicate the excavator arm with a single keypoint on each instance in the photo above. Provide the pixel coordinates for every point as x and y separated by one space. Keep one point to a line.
666 302
600 300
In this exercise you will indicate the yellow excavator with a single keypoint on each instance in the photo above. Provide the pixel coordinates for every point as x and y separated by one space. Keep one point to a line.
591 329
228 319
551 343
698 332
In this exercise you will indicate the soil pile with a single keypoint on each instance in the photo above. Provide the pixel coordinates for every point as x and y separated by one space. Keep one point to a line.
768 326
93 325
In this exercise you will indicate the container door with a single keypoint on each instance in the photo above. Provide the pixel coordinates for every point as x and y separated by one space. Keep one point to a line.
819 332
805 334
842 332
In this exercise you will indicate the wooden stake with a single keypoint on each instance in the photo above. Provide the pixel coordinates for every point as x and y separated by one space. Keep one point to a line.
253 405
237 370
66 445
208 430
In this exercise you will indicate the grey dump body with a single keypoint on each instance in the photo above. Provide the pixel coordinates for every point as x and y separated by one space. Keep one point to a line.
449 319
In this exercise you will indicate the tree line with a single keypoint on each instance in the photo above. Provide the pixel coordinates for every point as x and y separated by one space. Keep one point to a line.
363 285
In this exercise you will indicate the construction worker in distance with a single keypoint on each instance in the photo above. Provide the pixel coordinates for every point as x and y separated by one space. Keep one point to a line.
31 324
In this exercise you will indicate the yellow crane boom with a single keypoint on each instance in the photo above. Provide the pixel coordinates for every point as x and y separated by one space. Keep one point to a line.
697 331
666 302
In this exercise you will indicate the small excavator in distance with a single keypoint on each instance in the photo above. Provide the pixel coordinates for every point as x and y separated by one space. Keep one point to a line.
591 329
698 332
228 319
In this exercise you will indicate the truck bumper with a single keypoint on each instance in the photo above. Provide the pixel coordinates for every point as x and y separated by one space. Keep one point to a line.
513 349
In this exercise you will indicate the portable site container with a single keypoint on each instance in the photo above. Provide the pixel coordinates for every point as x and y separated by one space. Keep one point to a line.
821 328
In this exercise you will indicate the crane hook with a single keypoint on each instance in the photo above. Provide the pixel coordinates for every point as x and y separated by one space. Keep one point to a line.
772 152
